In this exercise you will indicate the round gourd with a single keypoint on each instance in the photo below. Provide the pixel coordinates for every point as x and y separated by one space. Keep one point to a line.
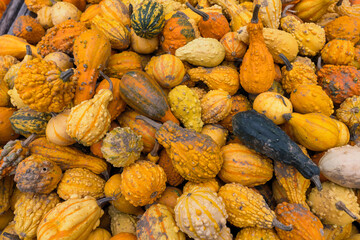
7 133
217 132
143 45
37 174
273 106
234 48
212 184
215 106
56 129
148 19
99 234
29 29
338 52
62 11
61 59
122 222
172 176
343 27
151 182
349 111
121 147
169 197
201 214
121 63
44 17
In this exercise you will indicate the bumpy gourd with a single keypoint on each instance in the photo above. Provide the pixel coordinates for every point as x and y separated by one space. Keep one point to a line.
158 222
345 8
150 183
43 87
185 105
343 27
217 78
121 147
257 71
247 208
338 52
257 233
215 106
81 182
349 111
329 203
334 232
121 222
28 28
217 132
200 214
242 164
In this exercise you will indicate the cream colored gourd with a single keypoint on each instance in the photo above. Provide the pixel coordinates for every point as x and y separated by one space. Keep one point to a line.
56 130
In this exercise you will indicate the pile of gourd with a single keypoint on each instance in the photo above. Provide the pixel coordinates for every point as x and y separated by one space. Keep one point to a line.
174 119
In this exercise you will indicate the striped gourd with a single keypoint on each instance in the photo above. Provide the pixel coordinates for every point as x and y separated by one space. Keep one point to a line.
148 20
344 8
270 12
27 121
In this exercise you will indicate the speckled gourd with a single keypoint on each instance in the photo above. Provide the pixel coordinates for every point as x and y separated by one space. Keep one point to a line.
215 106
338 52
200 214
122 222
186 107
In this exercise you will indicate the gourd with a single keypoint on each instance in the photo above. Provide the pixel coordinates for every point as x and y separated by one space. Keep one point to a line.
247 208
309 36
334 232
5 219
37 174
80 4
99 234
122 222
305 224
293 183
273 106
14 46
74 219
212 184
339 82
202 160
206 52
148 19
257 233
29 210
6 131
90 12
115 9
89 121
217 78
166 69
348 112
44 17
172 176
345 8
56 130
121 236
120 63
29 29
242 164
312 10
217 132
8 230
64 156
5 64
284 43
326 18
215 106
338 52
177 32
344 134
81 182
6 184
62 11
61 60
253 78
344 158
158 222
279 148
200 214
143 45
307 98
295 74
151 182
91 52
121 147
152 100
112 189
334 204
169 197
36 5
270 12
239 15
343 27
185 105
212 24
60 38
234 48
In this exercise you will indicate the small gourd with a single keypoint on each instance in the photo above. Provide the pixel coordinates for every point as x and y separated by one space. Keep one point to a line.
343 27
310 10
99 234
62 11
215 106
234 48
349 110
338 52
142 45
61 59
56 129
28 28
44 17
121 147
169 197
173 177
217 132
270 12
121 222
120 63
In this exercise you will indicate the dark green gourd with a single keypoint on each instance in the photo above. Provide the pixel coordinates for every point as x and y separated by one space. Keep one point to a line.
258 132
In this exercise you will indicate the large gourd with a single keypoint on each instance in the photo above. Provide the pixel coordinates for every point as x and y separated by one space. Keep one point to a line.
257 71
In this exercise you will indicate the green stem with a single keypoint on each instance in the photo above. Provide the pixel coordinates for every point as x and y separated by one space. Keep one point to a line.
204 15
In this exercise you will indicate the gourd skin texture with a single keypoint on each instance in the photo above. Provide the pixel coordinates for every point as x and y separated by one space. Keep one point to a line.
217 78
72 219
245 166
211 184
121 147
246 207
257 233
349 110
323 203
206 52
23 24
120 63
215 106
99 234
234 48
41 88
306 226
270 12
217 132
343 27
6 192
347 8
201 214
195 156
309 10
185 105
158 223
334 232
307 98
338 52
122 222
173 177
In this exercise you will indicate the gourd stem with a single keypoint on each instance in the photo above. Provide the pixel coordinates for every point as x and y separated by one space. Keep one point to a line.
352 130
105 200
287 116
316 180
11 236
255 17
338 4
278 224
289 67
154 151
282 99
185 78
29 29
318 64
204 15
286 9
65 76
342 207
131 9
107 79
27 141
149 121
28 50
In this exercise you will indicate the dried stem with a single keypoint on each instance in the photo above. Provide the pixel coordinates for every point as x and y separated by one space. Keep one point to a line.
342 207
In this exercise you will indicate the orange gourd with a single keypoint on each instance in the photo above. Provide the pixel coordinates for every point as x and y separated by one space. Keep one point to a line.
6 131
